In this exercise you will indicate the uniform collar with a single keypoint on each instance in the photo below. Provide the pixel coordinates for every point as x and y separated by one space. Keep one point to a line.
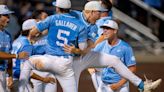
84 19
118 43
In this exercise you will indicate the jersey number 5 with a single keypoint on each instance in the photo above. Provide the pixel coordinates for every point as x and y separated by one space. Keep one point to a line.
59 36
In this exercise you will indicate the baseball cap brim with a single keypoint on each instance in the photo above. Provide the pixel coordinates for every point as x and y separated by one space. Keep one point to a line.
106 26
7 12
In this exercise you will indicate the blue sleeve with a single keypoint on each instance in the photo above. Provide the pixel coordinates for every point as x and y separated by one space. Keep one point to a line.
10 41
28 49
99 47
39 50
43 25
10 49
129 57
92 33
82 37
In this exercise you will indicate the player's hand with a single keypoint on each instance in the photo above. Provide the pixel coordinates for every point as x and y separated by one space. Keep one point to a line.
23 55
69 49
91 71
49 80
100 39
115 86
9 82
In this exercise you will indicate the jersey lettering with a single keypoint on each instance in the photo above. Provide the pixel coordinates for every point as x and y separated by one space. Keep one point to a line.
59 36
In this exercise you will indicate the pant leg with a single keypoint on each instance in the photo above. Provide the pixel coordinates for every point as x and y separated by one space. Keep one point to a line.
66 77
2 81
49 87
24 77
34 63
57 65
104 88
124 88
38 86
96 79
68 84
15 86
96 59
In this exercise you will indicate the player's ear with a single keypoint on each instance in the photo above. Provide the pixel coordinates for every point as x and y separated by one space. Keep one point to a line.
115 31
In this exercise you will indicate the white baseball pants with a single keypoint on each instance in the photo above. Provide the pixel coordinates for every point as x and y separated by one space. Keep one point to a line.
3 81
59 66
39 86
106 88
97 59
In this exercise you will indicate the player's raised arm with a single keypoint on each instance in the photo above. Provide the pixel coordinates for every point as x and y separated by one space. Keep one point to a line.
74 50
34 32
4 55
43 79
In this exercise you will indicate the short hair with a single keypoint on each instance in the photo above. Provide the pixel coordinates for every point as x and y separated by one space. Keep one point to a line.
64 10
107 4
36 14
25 32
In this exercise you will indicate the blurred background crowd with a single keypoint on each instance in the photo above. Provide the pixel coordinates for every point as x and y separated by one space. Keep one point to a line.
24 8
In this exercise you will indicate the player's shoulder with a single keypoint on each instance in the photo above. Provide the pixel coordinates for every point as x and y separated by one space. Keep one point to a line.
122 42
75 13
7 33
102 44
125 45
23 40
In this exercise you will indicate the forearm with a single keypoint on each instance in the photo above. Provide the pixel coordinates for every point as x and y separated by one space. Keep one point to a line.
37 77
4 55
123 80
10 67
43 79
33 33
81 52
78 51
99 40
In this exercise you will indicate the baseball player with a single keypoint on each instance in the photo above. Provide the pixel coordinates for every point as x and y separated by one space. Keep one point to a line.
5 47
112 81
22 43
40 86
97 59
39 49
105 15
62 29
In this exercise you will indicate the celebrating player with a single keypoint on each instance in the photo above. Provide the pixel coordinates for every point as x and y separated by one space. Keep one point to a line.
62 29
5 47
98 59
